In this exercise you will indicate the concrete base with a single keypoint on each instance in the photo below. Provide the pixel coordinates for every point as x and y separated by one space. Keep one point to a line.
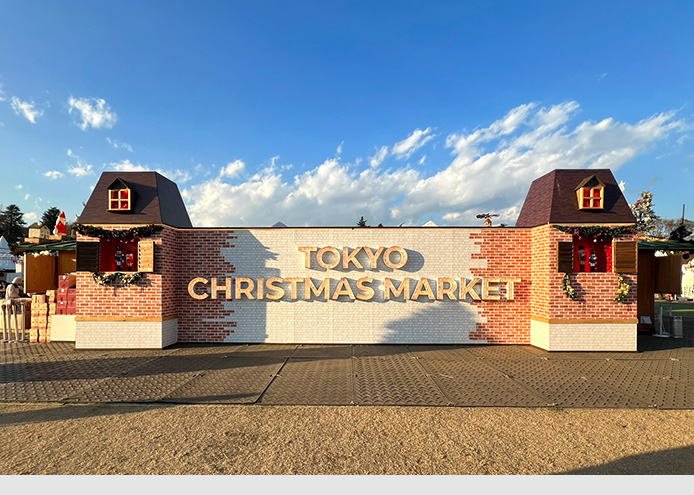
63 328
583 335
130 334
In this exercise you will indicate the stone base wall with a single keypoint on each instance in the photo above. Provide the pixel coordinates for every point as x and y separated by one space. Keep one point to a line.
583 335
125 334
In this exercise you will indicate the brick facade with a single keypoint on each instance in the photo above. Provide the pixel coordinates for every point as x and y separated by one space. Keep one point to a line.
525 256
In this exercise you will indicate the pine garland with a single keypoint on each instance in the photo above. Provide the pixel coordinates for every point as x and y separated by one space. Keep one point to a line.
595 231
144 231
116 277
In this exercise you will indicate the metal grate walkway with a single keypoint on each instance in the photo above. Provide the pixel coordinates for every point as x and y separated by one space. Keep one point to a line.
660 375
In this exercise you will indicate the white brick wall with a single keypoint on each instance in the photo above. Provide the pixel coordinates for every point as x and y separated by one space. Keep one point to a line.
125 334
583 336
432 253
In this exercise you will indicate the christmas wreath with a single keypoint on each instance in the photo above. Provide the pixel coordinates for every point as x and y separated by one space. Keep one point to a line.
622 290
595 231
144 231
566 287
117 277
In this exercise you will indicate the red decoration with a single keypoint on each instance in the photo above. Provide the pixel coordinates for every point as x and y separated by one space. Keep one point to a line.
60 225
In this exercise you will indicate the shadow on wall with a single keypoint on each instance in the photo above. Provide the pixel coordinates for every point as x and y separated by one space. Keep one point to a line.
250 257
434 322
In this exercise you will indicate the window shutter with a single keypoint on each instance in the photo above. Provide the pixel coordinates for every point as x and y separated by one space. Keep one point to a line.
565 257
625 256
87 257
145 256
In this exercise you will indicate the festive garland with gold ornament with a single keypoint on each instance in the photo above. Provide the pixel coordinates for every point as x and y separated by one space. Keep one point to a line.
622 290
566 287
144 231
596 232
117 277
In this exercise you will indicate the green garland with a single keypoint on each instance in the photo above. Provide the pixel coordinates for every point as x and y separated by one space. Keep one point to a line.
566 287
144 231
595 231
622 290
116 277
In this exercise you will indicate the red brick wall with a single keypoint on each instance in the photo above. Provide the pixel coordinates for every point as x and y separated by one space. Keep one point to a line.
194 262
508 255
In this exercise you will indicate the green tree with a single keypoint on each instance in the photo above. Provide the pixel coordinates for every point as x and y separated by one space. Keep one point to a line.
12 224
50 217
362 222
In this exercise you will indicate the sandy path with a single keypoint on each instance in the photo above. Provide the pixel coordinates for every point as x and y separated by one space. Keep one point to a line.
209 439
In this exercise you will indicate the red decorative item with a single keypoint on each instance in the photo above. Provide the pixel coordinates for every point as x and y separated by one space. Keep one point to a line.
60 225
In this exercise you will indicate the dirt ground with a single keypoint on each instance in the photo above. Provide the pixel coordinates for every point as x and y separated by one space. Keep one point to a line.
257 440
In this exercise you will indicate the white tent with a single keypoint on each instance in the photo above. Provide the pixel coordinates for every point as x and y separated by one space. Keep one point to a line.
6 256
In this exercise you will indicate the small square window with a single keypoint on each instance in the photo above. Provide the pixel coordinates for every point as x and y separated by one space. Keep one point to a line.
591 198
119 200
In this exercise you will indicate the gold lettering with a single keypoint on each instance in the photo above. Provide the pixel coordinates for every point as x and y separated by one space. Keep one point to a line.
343 289
423 289
491 292
321 261
310 288
510 293
389 262
293 281
442 291
373 257
260 287
348 257
403 290
367 292
275 292
191 288
307 250
240 291
469 289
226 287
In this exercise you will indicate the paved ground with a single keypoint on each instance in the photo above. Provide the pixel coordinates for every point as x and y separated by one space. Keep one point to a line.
660 375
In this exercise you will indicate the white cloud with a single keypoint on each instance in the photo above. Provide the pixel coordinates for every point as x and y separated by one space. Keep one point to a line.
127 166
422 160
490 170
25 109
339 148
94 112
31 216
27 196
53 174
412 143
117 144
177 175
236 168
378 158
81 169
19 187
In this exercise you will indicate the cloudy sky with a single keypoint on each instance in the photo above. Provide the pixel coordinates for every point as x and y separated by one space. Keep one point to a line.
318 113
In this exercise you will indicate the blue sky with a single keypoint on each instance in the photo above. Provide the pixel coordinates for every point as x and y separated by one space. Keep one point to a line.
316 113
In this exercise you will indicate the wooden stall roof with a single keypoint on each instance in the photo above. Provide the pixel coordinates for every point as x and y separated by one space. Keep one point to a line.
64 245
666 245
